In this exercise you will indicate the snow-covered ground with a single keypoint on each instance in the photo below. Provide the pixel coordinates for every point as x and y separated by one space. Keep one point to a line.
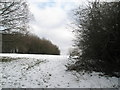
47 71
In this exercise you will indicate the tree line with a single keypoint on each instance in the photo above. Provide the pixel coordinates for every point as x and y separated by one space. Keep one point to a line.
15 16
98 38
27 44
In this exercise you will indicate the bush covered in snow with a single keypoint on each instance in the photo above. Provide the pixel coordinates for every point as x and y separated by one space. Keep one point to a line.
98 38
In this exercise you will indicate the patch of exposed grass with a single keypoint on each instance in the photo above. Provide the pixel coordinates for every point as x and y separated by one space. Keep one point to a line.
6 59
31 66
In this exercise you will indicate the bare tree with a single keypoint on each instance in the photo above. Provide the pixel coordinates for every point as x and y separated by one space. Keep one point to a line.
14 15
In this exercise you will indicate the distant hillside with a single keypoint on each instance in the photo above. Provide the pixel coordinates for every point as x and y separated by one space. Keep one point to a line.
27 44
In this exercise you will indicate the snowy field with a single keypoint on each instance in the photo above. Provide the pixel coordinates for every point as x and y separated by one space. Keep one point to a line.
46 71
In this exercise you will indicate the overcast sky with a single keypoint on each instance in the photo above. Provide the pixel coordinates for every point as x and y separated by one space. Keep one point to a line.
52 20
